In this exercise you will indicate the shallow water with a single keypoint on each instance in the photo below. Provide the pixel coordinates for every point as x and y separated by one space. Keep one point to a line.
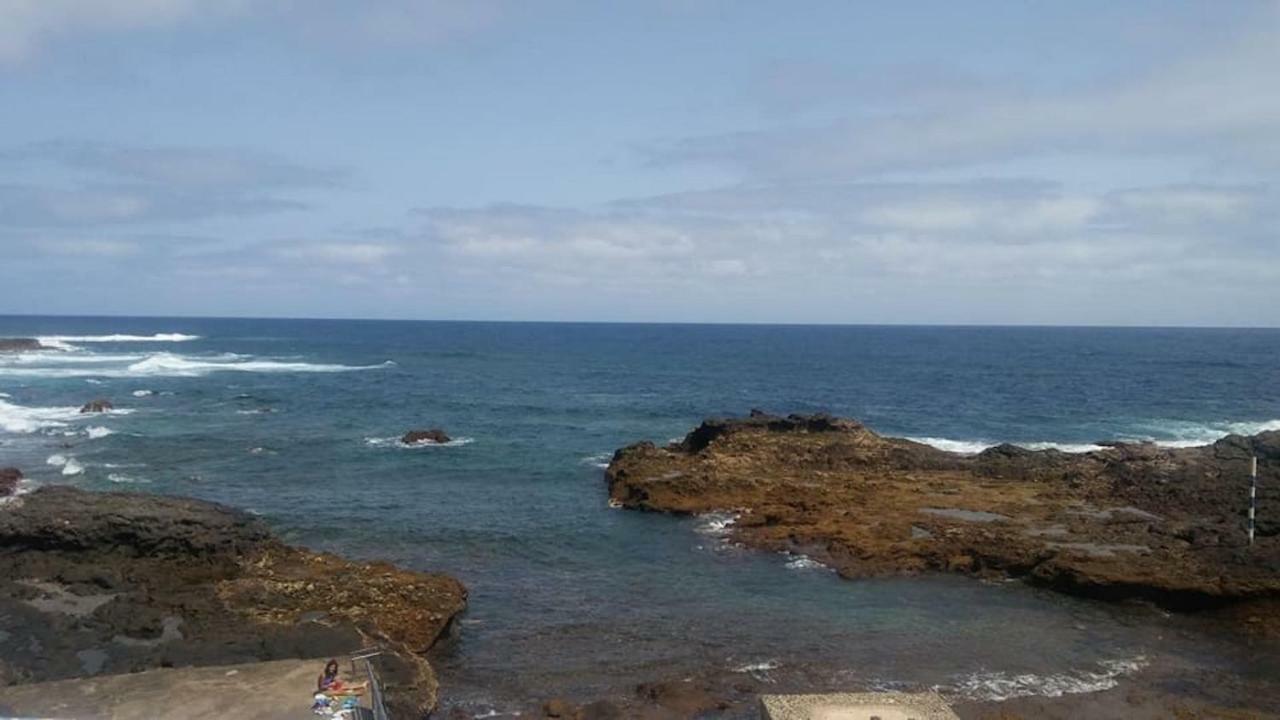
296 420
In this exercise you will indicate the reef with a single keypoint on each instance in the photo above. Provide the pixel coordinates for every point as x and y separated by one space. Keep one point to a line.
1127 520
96 583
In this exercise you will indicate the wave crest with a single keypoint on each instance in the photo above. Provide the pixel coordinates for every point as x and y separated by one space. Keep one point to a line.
998 686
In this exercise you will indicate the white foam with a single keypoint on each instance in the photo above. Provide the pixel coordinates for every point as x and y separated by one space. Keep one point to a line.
165 364
600 460
126 479
143 393
715 524
1180 434
804 562
973 447
395 442
20 419
997 686
762 666
966 447
63 342
98 431
69 465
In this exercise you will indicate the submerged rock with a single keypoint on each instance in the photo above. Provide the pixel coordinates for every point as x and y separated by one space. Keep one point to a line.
1125 520
172 581
417 437
97 406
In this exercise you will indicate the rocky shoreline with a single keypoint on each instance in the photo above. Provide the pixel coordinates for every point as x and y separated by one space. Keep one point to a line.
1129 520
109 583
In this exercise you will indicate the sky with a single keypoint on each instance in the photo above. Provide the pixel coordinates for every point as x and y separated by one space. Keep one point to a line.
1082 163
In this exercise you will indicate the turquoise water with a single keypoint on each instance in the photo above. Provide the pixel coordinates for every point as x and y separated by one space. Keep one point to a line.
295 420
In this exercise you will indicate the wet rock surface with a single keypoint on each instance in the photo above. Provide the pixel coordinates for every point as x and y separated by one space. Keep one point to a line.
98 405
1130 520
9 478
119 582
20 345
417 437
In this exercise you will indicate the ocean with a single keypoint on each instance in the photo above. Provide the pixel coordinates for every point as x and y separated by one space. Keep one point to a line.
296 420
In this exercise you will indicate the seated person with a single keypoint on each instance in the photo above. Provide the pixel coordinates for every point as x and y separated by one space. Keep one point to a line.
330 682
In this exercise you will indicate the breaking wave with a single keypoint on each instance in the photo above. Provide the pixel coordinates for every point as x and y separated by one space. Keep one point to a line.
1166 433
715 524
600 460
69 465
21 419
96 432
997 686
164 364
64 342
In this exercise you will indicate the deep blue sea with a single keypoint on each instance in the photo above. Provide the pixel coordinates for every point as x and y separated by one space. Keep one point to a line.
296 420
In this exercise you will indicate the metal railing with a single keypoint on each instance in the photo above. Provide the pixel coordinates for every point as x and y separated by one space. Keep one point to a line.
377 704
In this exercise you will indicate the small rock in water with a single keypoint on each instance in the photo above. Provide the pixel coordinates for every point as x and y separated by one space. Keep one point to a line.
96 406
9 478
416 437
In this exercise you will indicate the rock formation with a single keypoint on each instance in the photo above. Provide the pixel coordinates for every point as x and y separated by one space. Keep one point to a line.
9 478
119 582
417 437
1127 520
20 345
96 406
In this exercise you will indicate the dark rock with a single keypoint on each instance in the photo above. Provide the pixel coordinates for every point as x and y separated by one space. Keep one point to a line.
229 589
601 710
686 699
9 478
434 435
20 345
96 406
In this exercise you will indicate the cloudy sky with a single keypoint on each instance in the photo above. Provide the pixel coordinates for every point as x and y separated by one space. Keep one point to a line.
669 160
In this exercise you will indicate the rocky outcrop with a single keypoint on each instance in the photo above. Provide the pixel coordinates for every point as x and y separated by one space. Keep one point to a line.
9 478
417 437
1127 520
98 405
119 582
20 345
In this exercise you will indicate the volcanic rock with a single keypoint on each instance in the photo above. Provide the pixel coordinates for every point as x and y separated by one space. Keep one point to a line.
96 406
20 344
1126 520
138 581
417 437
9 478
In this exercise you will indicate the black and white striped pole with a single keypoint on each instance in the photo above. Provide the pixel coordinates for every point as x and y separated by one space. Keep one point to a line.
1253 494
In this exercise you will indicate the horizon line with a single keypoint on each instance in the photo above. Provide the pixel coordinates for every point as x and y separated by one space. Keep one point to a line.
744 323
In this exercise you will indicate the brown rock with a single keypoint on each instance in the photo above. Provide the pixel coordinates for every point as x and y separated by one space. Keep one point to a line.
559 708
1127 520
417 437
685 699
9 478
237 592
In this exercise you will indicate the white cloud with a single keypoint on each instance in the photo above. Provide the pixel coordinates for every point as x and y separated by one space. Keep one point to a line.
1218 105
89 248
26 24
340 253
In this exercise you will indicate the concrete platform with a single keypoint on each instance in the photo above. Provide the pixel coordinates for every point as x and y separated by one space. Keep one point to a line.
278 690
856 706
